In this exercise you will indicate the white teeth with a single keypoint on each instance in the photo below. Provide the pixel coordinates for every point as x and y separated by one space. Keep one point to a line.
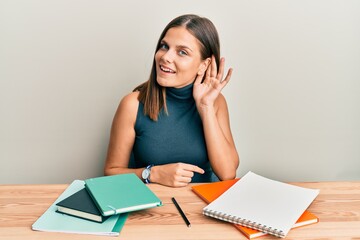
166 69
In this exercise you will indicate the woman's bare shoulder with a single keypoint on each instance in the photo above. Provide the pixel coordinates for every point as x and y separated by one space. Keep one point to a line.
220 102
129 105
130 100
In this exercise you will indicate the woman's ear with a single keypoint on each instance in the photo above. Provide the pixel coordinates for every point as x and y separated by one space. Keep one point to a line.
204 66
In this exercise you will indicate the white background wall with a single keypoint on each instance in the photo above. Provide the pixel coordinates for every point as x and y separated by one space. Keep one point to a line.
294 97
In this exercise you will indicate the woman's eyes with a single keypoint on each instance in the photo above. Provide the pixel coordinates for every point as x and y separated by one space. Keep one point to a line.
166 47
163 46
182 52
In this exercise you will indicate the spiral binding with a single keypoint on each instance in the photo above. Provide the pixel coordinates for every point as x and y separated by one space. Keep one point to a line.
244 222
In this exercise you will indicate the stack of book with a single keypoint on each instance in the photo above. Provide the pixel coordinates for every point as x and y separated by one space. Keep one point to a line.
97 206
258 206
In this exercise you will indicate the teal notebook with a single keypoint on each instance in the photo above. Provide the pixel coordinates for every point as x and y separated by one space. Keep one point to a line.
120 194
52 221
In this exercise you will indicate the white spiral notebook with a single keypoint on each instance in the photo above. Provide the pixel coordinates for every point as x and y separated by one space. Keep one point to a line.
260 203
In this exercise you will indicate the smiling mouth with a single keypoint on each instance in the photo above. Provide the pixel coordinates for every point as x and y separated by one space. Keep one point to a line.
167 70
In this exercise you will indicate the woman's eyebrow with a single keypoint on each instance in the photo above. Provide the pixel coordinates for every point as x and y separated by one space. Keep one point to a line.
177 46
183 46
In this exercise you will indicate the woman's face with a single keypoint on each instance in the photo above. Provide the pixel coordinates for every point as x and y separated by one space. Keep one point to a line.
178 59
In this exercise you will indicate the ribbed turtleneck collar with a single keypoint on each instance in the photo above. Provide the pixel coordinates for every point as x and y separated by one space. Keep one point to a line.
183 94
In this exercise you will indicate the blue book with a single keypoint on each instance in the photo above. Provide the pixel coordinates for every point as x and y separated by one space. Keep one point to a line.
52 221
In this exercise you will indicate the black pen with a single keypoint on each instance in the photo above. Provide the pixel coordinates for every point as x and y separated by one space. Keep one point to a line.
181 212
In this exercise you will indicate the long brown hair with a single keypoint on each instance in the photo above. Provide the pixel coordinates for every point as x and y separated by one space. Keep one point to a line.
151 94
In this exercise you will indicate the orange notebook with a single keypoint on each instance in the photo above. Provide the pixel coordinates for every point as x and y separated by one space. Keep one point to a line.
210 191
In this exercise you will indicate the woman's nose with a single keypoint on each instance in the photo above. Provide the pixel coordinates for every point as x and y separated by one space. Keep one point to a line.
168 56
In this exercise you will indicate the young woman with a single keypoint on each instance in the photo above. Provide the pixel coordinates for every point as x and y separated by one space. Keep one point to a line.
174 128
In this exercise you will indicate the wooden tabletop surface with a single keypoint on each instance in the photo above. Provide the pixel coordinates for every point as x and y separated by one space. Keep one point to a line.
337 206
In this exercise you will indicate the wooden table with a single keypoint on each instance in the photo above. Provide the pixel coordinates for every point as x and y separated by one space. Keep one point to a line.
337 206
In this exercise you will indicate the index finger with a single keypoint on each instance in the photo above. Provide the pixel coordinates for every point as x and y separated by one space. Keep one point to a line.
213 67
193 168
221 69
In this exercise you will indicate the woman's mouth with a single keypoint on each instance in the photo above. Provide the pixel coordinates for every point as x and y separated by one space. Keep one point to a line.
165 69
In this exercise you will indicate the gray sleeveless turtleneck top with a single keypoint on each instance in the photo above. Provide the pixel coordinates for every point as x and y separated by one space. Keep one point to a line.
176 137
